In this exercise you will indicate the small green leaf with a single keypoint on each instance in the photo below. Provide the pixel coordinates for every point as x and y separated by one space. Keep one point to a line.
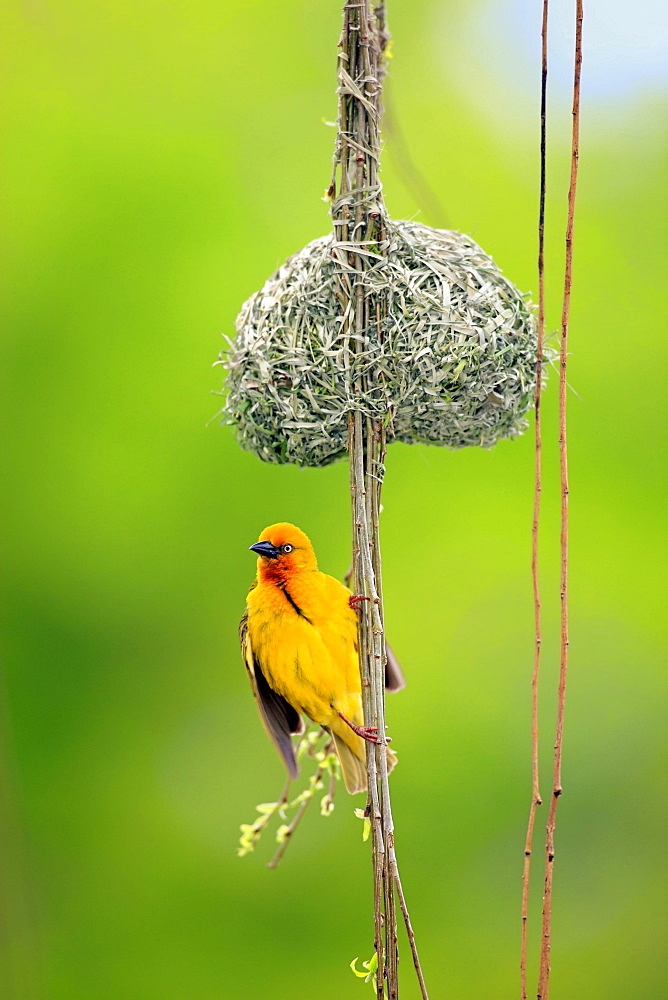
360 975
333 765
282 833
302 797
266 807
366 829
370 967
326 805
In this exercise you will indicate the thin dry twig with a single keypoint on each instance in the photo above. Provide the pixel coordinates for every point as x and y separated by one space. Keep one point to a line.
359 218
297 818
252 832
407 921
544 972
536 799
327 761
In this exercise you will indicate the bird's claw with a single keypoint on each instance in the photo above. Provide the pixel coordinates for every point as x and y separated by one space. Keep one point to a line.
370 734
355 599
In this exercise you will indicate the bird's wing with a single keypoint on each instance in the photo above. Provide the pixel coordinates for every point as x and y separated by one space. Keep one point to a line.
394 675
279 717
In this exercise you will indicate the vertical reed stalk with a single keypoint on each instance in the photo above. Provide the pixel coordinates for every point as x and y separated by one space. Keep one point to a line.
544 972
359 217
536 799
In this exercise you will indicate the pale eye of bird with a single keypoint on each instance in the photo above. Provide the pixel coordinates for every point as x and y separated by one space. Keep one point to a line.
286 549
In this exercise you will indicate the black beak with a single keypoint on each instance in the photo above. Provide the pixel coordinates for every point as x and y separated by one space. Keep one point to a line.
265 549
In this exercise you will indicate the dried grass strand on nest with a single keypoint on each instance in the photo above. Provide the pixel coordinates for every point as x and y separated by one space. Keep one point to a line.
451 360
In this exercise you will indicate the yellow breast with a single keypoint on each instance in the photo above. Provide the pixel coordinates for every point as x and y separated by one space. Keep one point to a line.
304 635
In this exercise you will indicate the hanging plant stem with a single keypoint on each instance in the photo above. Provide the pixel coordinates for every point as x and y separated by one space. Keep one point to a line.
536 799
359 219
544 972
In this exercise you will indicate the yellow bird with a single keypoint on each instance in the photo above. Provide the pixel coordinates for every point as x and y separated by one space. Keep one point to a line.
299 644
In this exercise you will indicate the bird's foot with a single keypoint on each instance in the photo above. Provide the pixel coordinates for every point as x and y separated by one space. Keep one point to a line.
368 733
355 599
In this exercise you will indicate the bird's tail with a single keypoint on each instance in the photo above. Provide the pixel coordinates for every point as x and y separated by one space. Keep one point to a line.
352 757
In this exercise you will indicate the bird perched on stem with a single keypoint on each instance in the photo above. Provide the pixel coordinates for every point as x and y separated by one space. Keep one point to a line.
299 644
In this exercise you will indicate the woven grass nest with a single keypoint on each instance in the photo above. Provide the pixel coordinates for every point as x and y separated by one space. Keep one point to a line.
452 361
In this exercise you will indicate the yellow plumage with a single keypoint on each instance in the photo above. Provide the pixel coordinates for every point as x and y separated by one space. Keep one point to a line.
299 642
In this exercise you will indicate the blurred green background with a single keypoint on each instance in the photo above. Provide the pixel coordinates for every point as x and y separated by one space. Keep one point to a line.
162 159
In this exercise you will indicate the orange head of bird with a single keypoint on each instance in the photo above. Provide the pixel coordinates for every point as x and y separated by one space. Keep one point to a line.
283 549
